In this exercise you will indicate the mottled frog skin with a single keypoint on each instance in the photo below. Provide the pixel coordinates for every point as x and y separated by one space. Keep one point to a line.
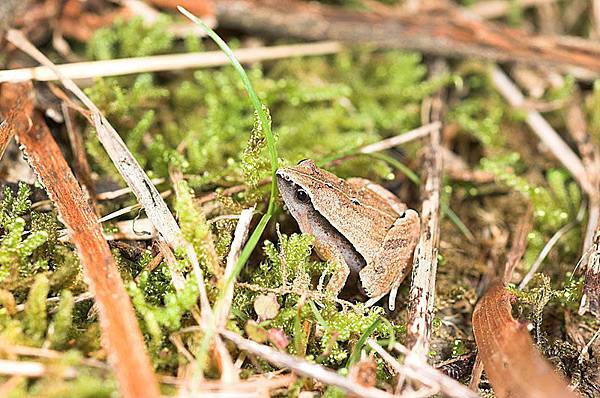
356 223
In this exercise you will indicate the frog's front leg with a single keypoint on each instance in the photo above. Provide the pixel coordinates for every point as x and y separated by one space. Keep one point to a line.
394 260
339 277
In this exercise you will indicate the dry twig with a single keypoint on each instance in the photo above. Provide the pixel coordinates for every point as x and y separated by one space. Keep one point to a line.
422 289
32 369
426 31
400 139
590 300
590 157
497 8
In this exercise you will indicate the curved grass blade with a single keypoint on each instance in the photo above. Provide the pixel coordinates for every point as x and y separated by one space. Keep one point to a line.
255 237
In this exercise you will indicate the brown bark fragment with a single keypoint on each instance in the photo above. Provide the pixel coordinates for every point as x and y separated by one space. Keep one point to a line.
512 363
445 31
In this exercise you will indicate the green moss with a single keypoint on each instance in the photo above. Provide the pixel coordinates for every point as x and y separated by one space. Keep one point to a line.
60 328
168 315
132 38
35 317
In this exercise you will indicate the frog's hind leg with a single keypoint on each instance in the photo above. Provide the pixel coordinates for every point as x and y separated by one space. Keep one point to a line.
394 261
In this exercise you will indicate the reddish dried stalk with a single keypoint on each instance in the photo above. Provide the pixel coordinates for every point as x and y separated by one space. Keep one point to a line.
512 363
121 334
16 105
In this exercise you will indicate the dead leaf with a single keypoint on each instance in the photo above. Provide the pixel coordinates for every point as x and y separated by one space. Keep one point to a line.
511 361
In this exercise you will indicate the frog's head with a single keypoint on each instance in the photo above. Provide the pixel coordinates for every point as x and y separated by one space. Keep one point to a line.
296 187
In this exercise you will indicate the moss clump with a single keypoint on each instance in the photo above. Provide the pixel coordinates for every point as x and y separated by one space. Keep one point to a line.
132 38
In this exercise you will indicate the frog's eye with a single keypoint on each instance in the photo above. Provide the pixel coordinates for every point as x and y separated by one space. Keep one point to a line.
301 195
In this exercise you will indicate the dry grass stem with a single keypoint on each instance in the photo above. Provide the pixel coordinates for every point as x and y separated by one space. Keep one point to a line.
590 156
400 139
498 8
239 238
157 63
32 369
127 209
304 368
519 244
46 353
419 370
81 165
110 195
547 248
590 300
543 130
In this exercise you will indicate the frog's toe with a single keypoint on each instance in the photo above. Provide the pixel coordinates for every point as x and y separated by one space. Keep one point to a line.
370 302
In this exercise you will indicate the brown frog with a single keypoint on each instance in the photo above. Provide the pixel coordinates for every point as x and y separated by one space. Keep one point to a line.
357 224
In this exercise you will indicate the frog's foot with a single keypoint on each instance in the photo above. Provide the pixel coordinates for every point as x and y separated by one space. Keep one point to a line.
370 302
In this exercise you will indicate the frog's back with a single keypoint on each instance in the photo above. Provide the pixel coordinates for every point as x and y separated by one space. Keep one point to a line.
358 214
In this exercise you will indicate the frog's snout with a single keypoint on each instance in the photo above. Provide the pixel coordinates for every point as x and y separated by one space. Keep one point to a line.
281 174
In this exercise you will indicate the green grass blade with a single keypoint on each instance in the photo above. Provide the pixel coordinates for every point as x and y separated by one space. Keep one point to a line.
256 234
355 356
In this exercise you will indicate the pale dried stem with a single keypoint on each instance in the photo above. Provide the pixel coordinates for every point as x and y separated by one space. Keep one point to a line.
32 369
518 246
417 369
47 353
77 299
127 209
498 8
229 373
81 165
547 248
110 195
476 373
400 139
239 238
157 63
304 368
543 130
313 295
590 300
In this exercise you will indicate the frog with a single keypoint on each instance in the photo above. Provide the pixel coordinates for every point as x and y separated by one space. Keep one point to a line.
358 224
